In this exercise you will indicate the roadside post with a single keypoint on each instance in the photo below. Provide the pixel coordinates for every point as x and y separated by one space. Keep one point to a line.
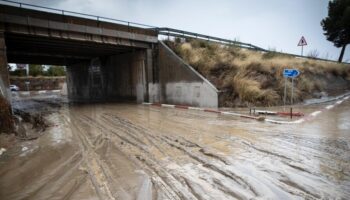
291 97
302 43
27 85
285 91
289 73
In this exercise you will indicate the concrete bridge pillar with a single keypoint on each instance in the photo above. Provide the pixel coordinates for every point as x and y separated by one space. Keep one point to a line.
4 73
153 94
77 82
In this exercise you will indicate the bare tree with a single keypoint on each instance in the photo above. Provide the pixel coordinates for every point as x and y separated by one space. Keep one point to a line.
313 54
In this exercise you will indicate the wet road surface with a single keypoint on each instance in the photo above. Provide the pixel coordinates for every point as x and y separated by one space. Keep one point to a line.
125 151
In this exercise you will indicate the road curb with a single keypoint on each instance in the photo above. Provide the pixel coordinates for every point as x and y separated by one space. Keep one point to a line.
203 109
304 119
38 92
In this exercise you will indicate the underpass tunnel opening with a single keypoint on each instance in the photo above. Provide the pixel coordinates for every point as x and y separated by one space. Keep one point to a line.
95 72
119 77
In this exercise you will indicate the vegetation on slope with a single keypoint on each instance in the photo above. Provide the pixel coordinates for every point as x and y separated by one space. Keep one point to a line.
255 78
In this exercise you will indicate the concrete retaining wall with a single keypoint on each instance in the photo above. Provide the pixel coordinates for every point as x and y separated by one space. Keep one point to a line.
181 84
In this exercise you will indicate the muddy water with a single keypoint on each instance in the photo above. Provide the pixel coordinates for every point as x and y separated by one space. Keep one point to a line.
121 151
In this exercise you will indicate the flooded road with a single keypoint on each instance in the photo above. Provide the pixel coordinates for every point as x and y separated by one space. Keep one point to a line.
125 151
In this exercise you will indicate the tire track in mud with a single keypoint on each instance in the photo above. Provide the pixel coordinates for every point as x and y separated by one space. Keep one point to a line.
137 129
159 177
283 181
326 155
180 140
145 147
148 159
96 171
215 166
184 144
287 181
50 181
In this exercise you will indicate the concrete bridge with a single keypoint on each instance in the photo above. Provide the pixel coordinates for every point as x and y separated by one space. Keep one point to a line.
106 61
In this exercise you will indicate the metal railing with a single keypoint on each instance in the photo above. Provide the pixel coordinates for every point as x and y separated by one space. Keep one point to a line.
161 31
75 14
185 34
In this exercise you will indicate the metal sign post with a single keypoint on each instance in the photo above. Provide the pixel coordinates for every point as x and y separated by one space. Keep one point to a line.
284 96
302 49
291 98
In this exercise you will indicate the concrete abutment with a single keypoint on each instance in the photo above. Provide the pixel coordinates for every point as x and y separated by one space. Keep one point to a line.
141 75
181 84
4 73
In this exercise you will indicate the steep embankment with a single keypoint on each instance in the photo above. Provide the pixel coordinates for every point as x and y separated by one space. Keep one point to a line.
255 78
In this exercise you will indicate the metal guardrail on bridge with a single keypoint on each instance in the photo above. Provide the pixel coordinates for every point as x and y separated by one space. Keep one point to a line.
186 34
74 14
161 31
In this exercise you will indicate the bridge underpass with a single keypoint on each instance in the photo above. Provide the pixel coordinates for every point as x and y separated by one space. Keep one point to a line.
95 71
104 61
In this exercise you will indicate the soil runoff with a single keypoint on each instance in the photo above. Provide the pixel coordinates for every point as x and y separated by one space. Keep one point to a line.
124 151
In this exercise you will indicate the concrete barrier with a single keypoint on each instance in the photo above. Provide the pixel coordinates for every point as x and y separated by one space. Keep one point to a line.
181 84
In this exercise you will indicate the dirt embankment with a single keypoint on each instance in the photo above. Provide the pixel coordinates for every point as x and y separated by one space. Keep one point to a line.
28 121
38 83
251 78
6 120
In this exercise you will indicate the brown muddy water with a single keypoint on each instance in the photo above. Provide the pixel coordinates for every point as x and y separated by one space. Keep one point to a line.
126 151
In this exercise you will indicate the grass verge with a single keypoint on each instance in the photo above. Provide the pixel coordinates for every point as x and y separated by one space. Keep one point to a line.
255 78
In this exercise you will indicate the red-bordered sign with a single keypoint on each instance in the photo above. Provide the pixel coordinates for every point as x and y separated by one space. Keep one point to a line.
302 41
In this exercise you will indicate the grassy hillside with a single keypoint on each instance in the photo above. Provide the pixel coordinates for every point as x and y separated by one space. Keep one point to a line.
255 78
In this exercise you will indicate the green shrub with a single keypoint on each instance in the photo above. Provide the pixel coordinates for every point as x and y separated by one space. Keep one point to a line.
55 71
18 72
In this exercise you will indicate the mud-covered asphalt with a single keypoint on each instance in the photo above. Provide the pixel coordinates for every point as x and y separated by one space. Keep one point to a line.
128 151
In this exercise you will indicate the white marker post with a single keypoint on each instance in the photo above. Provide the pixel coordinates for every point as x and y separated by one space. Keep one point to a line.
302 43
285 91
291 98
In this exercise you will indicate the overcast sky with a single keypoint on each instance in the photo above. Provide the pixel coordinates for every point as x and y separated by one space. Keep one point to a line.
275 24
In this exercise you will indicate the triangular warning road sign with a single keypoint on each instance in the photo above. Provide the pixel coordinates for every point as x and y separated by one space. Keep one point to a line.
302 41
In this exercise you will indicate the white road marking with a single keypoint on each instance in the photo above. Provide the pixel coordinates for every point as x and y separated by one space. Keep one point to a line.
329 107
195 108
314 114
168 105
230 113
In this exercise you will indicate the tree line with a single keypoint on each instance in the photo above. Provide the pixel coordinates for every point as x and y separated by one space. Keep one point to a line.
38 70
